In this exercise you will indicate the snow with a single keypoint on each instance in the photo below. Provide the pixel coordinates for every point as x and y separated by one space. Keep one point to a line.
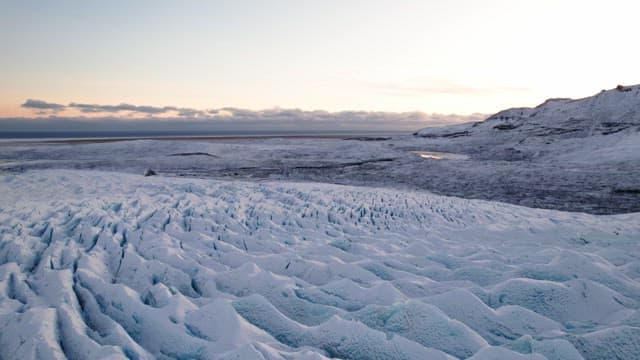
112 265
606 112
596 174
590 144
99 261
600 129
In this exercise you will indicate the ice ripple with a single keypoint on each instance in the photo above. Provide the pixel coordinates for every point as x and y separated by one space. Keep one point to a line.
103 265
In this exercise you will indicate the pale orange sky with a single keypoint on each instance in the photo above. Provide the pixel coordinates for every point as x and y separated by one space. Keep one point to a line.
459 56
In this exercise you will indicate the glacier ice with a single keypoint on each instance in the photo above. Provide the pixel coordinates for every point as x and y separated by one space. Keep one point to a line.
105 265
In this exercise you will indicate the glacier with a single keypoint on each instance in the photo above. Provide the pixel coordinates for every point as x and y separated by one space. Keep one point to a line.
511 238
99 264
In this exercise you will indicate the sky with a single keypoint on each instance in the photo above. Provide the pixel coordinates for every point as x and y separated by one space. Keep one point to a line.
159 58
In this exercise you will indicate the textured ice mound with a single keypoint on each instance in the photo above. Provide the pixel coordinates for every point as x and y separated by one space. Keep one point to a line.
105 265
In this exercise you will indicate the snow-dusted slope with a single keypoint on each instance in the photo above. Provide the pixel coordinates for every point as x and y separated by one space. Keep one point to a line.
108 265
549 127
605 113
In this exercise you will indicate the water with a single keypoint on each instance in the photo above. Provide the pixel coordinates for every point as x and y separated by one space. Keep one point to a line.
433 155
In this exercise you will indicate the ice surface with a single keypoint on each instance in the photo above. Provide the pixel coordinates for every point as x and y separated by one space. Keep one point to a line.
110 265
596 174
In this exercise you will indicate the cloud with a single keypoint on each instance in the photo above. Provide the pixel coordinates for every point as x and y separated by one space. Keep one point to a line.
347 117
94 108
137 109
126 117
191 113
243 121
42 105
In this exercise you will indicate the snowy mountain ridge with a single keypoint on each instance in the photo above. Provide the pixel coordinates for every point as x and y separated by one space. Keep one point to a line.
608 112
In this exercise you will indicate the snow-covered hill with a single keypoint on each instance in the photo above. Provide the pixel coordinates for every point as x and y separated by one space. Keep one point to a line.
553 127
110 265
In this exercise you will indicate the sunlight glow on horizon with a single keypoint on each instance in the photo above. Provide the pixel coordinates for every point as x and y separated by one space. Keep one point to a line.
460 57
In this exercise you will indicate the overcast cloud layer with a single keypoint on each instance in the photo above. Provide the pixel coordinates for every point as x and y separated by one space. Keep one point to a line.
128 117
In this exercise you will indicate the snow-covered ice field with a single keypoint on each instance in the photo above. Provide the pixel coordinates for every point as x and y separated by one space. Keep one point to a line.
586 175
111 265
